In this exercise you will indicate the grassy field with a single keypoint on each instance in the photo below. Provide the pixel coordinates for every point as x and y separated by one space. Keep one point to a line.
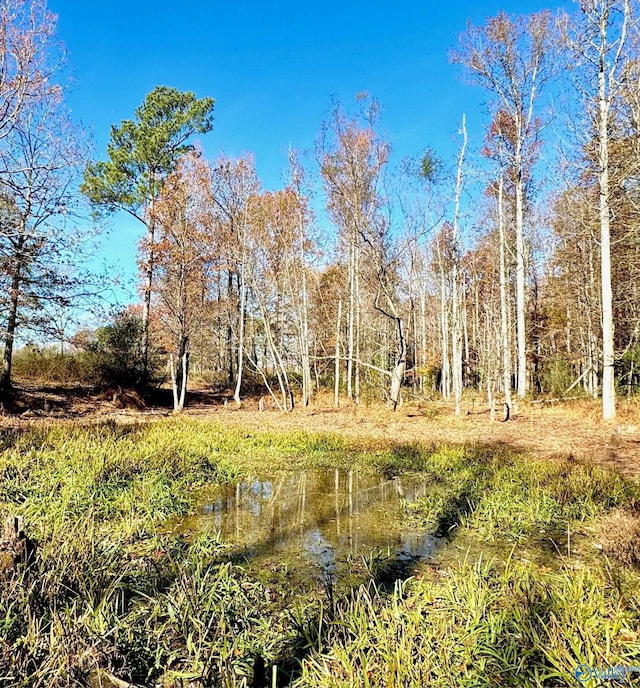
539 573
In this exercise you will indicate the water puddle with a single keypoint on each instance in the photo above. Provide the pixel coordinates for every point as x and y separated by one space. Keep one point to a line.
319 519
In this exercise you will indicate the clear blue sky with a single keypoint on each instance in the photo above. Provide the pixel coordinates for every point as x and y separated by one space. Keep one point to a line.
272 67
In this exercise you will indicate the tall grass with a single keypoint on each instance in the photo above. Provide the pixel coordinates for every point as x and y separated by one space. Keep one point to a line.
479 626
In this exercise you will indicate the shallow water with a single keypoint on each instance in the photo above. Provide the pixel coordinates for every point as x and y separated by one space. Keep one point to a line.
321 519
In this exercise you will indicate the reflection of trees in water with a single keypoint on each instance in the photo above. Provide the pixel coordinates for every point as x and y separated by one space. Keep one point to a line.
322 514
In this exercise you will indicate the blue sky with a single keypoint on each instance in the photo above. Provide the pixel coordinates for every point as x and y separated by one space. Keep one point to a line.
272 68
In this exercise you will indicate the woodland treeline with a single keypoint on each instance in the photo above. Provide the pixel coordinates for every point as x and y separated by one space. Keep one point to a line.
512 270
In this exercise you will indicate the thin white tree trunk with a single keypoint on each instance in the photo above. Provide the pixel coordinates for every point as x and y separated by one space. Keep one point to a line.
280 368
185 375
356 370
351 317
174 382
415 333
465 326
456 329
608 379
521 334
243 307
504 318
444 332
242 286
423 341
593 361
304 327
336 392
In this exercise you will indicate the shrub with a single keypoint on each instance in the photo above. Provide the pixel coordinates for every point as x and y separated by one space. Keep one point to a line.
557 376
116 354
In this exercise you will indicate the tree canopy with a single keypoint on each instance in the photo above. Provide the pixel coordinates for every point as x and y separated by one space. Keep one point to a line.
144 151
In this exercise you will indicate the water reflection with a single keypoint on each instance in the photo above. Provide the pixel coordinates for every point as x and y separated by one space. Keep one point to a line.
324 516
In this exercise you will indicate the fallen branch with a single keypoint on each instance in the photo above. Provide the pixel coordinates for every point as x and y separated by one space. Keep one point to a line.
550 401
575 382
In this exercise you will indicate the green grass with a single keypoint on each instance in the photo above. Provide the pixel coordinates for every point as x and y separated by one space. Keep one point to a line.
520 595
477 626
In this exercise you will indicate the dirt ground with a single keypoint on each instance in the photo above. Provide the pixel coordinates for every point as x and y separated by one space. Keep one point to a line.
545 429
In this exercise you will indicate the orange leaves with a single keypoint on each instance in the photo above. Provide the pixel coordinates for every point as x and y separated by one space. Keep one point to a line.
183 246
277 223
353 158
183 213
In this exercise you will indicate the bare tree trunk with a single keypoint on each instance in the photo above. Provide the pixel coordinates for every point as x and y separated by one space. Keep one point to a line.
229 334
336 391
476 317
521 333
280 369
268 386
491 398
444 331
465 328
304 328
593 363
608 354
504 317
185 378
352 308
179 372
414 337
456 330
12 319
174 381
397 377
593 357
240 364
423 341
356 370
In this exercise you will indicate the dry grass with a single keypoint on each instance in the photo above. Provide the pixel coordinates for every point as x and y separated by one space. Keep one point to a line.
620 537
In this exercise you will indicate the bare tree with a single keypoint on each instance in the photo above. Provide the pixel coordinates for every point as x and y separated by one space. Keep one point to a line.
499 138
301 246
182 255
513 59
42 156
268 231
234 184
456 315
30 57
352 158
599 40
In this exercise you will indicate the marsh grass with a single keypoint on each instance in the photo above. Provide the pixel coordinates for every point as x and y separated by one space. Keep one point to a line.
111 589
477 626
